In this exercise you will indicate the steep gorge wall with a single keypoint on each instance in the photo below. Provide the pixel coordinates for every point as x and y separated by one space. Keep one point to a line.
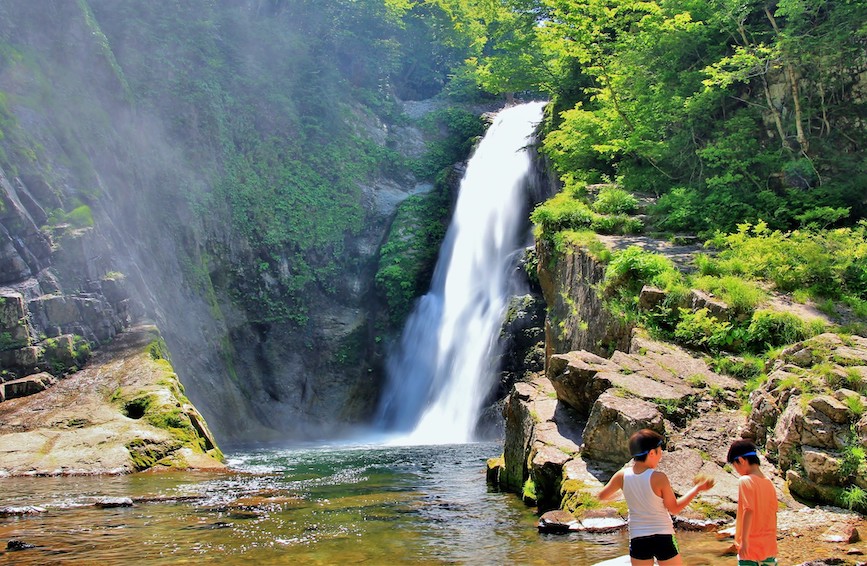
80 130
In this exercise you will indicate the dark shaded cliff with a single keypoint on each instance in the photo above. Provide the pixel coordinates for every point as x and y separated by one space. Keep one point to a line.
234 169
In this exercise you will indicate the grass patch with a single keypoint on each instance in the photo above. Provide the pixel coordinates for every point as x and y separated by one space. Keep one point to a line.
854 498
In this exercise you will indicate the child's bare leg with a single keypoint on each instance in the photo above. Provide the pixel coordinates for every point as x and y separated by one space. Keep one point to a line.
637 562
676 561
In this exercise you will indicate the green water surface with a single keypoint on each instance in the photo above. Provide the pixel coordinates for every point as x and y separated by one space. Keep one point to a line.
338 505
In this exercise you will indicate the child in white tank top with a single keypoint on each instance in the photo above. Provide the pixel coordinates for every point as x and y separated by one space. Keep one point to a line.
651 502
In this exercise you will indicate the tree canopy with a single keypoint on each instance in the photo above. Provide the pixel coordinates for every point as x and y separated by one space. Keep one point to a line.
732 110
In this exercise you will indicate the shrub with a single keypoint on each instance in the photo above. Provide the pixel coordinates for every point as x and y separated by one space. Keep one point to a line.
740 294
832 263
854 498
854 457
771 329
706 265
562 212
634 267
703 330
748 367
616 224
612 200
679 210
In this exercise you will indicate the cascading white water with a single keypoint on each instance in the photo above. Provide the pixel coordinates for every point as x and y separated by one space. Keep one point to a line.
441 370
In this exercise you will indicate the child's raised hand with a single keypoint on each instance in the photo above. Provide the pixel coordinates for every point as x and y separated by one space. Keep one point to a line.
703 481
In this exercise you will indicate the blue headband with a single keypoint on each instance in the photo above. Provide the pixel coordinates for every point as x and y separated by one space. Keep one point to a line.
646 452
744 455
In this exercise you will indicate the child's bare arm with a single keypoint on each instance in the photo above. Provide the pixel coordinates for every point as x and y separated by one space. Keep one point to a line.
614 485
673 504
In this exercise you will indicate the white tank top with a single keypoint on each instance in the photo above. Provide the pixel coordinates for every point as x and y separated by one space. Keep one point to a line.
647 514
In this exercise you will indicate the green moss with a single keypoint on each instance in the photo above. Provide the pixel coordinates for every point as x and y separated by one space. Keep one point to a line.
351 348
158 350
143 453
79 217
528 492
408 257
708 509
8 343
587 240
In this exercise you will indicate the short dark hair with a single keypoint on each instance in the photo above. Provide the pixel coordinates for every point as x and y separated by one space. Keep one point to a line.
642 442
743 449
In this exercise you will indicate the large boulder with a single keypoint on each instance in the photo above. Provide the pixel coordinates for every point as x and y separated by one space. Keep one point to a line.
580 377
124 412
612 421
821 465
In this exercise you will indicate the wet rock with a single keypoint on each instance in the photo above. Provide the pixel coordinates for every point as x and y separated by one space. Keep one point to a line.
112 502
602 520
557 521
691 521
518 413
18 511
844 533
546 469
15 545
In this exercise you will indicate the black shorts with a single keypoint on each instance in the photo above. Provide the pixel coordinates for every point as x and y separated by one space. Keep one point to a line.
661 547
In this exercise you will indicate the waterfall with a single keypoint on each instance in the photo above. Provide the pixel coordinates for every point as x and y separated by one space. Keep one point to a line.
440 371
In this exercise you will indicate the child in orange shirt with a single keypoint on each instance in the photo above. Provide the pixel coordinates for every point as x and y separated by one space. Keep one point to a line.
756 522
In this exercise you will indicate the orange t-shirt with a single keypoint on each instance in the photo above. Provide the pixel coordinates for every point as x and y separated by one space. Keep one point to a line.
757 494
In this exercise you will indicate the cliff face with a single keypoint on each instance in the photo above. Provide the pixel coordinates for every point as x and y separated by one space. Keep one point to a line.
577 319
118 193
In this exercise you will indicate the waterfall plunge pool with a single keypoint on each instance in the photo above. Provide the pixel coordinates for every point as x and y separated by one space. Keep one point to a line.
328 505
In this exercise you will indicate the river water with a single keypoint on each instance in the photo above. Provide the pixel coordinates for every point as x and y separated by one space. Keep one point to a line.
326 505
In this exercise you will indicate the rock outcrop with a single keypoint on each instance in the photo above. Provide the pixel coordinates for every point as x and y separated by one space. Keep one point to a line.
567 431
124 412
811 416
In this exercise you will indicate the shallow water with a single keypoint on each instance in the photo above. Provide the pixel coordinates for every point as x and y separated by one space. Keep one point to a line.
371 505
